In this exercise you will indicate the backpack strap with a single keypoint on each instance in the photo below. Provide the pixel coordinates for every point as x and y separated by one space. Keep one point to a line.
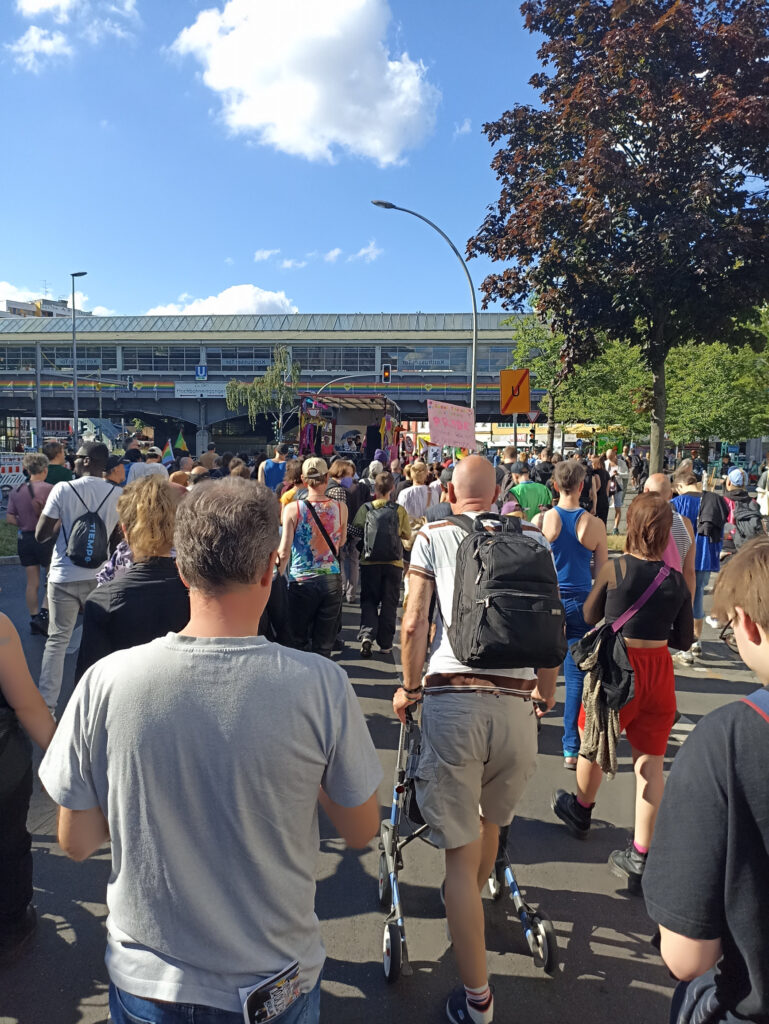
759 701
322 529
658 580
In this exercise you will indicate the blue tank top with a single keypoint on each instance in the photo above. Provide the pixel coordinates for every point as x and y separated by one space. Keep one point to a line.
572 559
274 473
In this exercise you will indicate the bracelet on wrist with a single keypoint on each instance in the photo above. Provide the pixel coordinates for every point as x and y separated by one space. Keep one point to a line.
417 689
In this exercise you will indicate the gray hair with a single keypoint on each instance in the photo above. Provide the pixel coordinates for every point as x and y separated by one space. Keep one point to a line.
35 463
225 532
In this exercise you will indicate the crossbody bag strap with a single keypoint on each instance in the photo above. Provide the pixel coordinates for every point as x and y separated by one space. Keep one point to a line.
759 701
322 529
657 582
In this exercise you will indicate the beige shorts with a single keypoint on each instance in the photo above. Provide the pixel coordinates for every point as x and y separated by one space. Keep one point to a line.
477 749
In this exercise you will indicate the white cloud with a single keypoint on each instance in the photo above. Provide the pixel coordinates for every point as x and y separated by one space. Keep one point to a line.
368 253
240 298
58 8
264 254
293 264
332 255
10 291
102 311
464 128
229 260
310 78
38 45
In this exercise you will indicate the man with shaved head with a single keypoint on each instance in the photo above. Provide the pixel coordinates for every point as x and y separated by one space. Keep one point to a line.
479 735
679 553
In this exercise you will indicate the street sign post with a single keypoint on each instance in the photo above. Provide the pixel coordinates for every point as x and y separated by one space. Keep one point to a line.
514 391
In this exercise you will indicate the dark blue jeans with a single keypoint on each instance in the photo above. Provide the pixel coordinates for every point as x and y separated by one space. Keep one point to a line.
576 627
128 1009
696 1002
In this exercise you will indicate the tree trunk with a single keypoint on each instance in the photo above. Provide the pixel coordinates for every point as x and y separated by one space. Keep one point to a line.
551 421
659 411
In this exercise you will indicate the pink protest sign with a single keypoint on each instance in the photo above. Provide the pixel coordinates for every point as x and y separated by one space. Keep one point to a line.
451 425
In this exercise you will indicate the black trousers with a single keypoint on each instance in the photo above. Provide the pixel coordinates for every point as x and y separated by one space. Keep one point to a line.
380 587
15 855
274 621
314 607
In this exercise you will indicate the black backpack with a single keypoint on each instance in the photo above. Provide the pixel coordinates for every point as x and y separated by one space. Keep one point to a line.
87 544
381 534
506 612
748 522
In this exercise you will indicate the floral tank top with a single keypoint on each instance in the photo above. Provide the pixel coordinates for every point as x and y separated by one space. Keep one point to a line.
310 554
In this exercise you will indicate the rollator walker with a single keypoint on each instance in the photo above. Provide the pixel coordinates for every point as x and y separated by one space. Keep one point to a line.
406 824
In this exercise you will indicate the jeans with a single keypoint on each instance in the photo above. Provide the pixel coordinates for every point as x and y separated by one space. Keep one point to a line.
127 1009
696 1002
350 562
576 627
15 855
380 587
701 578
65 602
314 608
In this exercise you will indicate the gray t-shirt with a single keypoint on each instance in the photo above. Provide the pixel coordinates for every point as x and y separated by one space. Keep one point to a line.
205 756
64 504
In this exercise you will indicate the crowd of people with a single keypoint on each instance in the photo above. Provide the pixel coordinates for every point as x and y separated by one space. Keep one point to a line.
217 738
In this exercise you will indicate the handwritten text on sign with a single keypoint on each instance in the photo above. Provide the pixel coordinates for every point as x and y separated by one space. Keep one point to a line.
451 424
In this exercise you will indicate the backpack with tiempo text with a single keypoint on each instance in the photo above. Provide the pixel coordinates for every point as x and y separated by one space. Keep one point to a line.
88 543
748 521
506 612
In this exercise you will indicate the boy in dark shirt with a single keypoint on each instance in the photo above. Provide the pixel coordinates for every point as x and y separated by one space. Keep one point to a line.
706 881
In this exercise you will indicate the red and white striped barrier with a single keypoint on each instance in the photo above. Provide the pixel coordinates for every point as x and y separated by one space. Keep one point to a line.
11 474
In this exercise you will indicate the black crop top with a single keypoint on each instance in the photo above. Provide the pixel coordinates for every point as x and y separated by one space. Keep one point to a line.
667 615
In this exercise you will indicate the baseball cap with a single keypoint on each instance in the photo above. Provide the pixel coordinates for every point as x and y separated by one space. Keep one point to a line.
446 476
112 461
314 469
738 477
154 450
519 467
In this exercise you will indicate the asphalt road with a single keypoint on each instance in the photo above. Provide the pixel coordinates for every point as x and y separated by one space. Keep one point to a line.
608 970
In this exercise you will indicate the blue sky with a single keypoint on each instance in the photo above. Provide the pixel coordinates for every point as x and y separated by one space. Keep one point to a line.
162 144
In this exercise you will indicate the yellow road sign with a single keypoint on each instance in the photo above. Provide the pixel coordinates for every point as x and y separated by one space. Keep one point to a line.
514 391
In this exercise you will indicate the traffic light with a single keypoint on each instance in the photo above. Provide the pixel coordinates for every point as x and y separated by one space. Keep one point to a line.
386 373
532 436
129 383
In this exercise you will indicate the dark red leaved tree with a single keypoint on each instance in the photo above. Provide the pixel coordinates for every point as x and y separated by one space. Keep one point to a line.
634 200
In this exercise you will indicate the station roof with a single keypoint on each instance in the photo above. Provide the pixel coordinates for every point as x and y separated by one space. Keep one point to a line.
291 323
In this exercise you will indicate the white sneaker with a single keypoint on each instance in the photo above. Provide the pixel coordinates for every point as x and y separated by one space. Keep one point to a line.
696 649
684 658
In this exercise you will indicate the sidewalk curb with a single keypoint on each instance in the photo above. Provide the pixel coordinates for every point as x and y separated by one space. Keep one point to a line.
10 560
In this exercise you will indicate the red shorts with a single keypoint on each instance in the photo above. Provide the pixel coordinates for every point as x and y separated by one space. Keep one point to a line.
648 718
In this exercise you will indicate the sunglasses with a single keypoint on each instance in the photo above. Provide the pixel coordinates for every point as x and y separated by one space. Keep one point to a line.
728 637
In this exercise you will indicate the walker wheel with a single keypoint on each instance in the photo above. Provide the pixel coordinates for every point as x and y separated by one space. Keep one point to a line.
384 882
546 956
391 953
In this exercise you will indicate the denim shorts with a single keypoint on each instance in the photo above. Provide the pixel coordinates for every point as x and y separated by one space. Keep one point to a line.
127 1009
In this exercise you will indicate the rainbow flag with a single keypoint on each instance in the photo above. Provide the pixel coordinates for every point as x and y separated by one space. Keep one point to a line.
181 444
168 455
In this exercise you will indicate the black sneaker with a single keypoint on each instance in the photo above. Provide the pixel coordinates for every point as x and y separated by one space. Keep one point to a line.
629 864
13 944
572 814
365 648
458 1012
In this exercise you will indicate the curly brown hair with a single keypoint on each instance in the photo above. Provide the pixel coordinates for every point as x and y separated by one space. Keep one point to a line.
147 512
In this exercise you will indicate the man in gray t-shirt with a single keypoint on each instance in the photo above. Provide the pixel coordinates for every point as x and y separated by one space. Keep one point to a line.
205 754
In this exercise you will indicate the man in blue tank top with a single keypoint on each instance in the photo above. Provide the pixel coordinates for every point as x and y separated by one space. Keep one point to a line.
576 537
272 471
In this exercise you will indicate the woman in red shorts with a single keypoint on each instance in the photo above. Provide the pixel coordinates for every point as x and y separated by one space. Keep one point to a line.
666 618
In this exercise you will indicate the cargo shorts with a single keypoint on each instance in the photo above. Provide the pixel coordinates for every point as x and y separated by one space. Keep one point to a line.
478 749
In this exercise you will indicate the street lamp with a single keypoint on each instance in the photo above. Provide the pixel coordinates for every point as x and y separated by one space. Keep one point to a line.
384 205
76 410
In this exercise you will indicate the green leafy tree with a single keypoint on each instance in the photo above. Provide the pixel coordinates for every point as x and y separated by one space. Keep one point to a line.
539 349
274 393
633 199
613 389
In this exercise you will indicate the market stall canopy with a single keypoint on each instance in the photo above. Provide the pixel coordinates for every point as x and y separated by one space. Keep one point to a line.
364 403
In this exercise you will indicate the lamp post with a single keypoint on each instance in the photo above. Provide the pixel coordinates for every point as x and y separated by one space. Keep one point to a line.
384 205
76 409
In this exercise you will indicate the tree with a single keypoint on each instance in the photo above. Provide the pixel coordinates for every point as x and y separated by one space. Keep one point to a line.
540 350
272 393
612 389
633 199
